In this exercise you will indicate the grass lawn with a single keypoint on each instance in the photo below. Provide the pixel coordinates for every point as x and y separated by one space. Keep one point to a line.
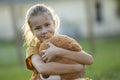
106 61
106 64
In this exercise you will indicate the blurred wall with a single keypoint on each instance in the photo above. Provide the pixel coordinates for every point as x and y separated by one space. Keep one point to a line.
72 14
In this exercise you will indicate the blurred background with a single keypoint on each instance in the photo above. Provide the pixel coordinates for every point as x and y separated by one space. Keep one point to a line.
95 24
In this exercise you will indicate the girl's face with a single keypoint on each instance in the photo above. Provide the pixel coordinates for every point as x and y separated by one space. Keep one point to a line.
43 27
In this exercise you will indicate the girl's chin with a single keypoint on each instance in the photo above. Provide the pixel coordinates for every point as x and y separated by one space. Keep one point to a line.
43 39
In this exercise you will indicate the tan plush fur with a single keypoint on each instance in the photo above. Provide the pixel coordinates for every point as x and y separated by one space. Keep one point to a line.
65 42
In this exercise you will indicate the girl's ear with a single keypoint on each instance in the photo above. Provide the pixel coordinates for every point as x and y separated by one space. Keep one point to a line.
54 23
32 31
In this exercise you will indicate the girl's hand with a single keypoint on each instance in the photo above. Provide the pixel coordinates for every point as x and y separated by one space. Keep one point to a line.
50 53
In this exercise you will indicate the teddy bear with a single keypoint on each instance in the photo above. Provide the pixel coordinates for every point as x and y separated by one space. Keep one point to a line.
65 42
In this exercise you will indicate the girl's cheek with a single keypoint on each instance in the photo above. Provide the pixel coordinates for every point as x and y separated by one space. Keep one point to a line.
52 30
38 34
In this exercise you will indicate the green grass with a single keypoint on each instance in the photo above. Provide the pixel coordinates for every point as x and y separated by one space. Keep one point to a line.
10 68
106 64
106 61
14 73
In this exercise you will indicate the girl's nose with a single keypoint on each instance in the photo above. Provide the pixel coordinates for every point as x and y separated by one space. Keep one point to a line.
44 30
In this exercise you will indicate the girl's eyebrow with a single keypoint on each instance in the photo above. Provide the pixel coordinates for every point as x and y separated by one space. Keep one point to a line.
38 26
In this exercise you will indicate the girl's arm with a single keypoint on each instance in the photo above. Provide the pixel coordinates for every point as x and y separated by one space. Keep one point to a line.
53 68
81 57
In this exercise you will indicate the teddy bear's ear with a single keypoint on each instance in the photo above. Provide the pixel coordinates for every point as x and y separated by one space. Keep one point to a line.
75 47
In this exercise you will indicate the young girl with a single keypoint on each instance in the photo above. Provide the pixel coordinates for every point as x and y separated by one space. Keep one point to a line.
40 24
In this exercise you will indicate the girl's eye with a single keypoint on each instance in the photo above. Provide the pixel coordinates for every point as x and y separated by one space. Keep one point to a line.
37 28
47 24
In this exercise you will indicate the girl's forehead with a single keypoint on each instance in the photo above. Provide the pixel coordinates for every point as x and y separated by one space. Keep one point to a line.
39 20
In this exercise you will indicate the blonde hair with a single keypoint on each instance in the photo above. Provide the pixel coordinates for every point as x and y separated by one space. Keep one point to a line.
38 9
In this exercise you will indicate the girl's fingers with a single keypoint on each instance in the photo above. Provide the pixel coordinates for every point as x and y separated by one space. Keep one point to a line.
50 44
48 60
44 58
43 51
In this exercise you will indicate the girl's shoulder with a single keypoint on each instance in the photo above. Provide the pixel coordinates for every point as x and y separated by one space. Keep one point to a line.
34 49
